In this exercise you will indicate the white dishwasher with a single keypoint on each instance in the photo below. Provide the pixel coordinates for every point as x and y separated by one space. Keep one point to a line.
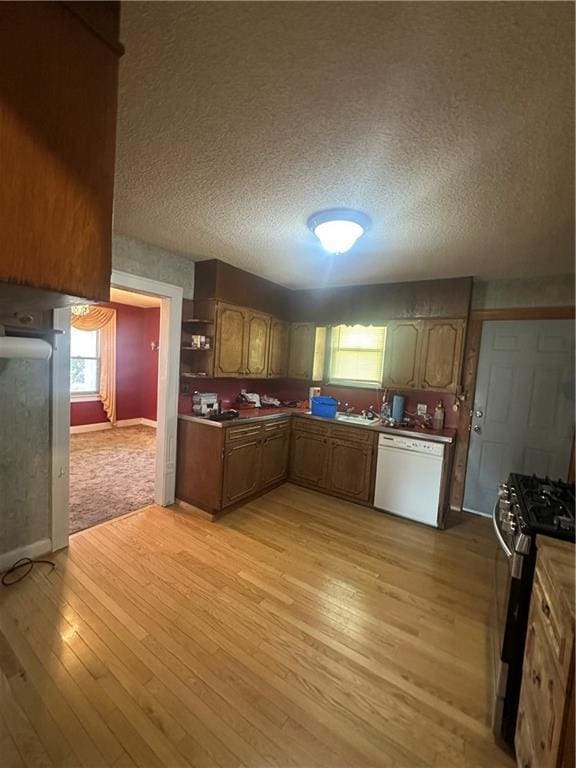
408 477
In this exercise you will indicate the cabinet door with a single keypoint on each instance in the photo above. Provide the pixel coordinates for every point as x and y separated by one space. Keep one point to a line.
308 455
242 462
229 352
59 85
350 469
441 354
257 332
301 358
402 353
278 358
275 449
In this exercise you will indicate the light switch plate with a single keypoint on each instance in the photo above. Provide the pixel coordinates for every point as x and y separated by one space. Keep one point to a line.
421 409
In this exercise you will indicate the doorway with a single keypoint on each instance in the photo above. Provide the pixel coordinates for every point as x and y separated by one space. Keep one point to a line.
522 415
168 355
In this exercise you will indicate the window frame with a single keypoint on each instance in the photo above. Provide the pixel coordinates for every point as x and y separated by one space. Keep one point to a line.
84 396
352 383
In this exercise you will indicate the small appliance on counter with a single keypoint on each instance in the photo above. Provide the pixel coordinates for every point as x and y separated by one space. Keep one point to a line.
204 403
248 399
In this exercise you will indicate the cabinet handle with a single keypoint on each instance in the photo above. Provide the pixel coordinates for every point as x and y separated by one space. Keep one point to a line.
545 609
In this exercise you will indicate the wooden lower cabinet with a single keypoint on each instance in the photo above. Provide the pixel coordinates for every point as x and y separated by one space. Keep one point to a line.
337 460
308 459
545 725
275 452
350 469
219 466
242 463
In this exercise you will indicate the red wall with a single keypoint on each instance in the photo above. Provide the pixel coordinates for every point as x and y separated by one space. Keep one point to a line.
287 389
136 369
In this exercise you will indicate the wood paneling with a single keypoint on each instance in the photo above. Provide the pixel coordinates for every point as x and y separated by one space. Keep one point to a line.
301 630
58 94
376 304
402 355
214 279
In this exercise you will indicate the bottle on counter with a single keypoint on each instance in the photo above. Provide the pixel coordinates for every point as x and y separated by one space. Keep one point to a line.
438 418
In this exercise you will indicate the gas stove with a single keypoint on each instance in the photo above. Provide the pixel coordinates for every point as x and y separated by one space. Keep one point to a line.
543 506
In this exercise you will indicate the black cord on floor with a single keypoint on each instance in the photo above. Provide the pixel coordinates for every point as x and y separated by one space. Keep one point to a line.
14 574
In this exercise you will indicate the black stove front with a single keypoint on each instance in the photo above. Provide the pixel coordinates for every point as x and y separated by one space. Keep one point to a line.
527 506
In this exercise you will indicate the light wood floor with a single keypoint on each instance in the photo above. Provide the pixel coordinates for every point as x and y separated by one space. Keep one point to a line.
298 631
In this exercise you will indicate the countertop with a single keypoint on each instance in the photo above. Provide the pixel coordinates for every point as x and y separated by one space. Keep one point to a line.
268 414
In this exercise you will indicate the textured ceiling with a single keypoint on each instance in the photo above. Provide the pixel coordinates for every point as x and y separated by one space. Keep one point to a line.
449 124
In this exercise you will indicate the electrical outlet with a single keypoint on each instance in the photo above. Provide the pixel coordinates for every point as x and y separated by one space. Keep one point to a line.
421 409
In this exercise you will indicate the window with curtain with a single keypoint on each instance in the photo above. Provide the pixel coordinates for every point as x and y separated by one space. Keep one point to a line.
84 362
356 355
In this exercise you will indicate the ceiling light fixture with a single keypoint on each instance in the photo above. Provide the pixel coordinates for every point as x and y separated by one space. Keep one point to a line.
338 228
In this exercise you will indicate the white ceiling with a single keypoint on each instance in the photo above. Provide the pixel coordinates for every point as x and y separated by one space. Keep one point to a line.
449 124
120 296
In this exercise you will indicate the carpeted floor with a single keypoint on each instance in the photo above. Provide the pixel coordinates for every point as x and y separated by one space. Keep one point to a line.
111 473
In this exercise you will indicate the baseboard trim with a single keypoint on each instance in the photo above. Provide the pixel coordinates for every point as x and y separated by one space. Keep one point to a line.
106 425
36 549
476 512
90 427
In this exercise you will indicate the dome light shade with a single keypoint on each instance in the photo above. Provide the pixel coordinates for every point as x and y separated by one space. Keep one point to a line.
338 229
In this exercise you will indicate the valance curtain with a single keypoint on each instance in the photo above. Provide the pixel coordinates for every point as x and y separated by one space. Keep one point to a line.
103 319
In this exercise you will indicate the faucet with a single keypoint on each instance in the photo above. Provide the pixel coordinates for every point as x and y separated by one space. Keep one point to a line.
348 409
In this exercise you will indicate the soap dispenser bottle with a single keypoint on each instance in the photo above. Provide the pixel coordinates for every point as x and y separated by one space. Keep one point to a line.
438 418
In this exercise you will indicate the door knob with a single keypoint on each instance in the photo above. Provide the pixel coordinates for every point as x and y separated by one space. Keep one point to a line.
477 428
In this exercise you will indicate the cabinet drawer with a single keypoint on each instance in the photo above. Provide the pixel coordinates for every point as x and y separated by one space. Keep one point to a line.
311 426
276 426
353 434
556 625
244 432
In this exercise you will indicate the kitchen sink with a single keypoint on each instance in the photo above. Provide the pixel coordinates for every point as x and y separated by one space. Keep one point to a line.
356 418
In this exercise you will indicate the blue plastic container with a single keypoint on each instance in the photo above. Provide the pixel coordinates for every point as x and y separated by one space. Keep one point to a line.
324 406
398 407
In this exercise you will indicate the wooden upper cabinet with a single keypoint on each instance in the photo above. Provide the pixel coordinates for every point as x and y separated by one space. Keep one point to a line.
441 356
58 99
307 350
256 352
231 341
402 354
279 341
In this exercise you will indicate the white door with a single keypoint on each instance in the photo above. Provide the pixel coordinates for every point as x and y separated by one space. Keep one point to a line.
523 406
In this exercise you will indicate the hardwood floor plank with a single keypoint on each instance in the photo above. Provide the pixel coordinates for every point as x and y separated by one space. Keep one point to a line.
299 631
